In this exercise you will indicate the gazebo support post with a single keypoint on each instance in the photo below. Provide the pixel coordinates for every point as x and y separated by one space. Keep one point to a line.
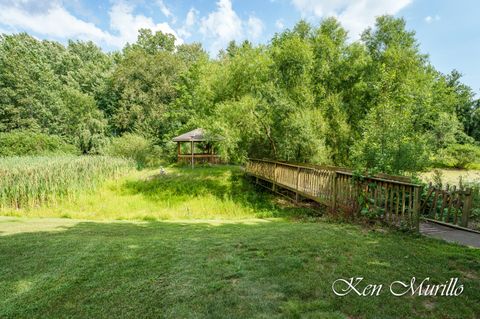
192 151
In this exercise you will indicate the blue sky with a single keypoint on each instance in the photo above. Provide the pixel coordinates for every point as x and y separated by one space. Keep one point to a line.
447 30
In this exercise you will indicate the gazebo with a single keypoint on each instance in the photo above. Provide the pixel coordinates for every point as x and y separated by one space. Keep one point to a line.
200 149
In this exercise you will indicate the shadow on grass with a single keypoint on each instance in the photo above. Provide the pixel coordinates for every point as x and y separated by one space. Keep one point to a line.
234 270
222 182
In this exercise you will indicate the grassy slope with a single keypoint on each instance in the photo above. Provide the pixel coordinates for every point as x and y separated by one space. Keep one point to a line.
83 269
227 268
208 193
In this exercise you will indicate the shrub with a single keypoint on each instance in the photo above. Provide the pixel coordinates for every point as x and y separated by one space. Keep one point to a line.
18 143
458 156
389 143
135 147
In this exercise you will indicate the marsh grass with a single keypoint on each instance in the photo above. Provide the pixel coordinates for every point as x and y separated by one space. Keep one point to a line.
218 192
31 181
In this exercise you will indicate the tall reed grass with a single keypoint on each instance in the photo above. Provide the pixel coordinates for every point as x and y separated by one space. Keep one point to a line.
30 181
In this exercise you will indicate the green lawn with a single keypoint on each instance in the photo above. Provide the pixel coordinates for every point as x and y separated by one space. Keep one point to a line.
195 247
52 268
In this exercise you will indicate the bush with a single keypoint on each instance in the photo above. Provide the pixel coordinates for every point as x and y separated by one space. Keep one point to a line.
18 143
458 156
136 147
389 143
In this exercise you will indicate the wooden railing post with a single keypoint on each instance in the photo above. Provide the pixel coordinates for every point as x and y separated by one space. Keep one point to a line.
296 188
274 185
334 193
416 207
467 207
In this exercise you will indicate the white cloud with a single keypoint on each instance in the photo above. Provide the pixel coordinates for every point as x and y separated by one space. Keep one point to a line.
191 17
255 27
280 24
430 19
190 21
165 10
56 22
355 15
53 21
222 25
127 24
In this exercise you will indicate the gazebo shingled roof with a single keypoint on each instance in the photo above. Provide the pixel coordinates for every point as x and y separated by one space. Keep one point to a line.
197 135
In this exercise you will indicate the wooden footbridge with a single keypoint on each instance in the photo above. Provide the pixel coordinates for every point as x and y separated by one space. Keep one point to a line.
392 199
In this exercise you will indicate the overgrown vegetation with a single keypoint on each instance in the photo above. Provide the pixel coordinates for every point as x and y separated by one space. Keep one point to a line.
307 95
18 143
219 192
458 156
137 148
27 182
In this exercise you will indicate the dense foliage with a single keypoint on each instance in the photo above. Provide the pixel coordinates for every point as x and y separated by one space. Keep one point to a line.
136 148
309 95
17 143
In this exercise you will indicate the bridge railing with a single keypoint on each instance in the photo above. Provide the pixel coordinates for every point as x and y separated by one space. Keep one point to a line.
389 198
448 204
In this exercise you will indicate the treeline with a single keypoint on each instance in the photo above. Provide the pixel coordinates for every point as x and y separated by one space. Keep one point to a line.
309 95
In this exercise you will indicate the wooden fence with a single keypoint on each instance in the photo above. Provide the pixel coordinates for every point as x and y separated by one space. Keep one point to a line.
392 200
450 205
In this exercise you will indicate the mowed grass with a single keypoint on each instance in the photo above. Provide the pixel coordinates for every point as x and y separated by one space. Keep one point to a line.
60 268
219 192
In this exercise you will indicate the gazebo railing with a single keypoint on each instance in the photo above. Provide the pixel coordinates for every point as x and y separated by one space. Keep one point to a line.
199 158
